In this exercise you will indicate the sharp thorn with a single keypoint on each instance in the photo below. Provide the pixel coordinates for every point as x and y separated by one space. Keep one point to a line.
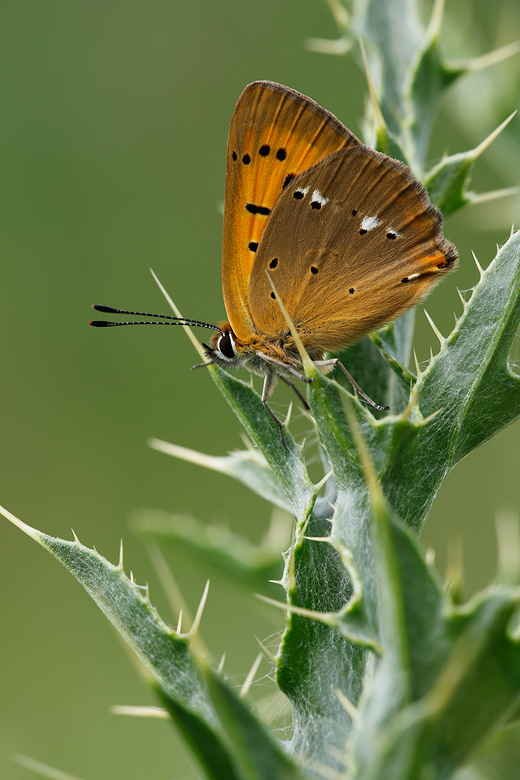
266 650
417 367
480 269
435 329
483 145
250 676
325 479
198 616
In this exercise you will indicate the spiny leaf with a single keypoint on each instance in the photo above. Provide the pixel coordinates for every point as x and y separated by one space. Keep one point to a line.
256 753
392 33
228 740
446 182
432 713
470 379
287 464
467 393
246 466
429 77
232 555
315 660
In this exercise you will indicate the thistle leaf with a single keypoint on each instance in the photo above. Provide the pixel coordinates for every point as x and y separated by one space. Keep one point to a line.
447 181
187 687
288 464
232 555
247 466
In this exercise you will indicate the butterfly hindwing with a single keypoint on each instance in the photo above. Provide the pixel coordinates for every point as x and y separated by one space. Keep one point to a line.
350 244
275 135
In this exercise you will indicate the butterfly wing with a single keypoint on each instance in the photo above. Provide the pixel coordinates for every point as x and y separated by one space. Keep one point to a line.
350 244
275 134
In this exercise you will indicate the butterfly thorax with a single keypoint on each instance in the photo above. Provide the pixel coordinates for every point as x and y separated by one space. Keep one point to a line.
261 354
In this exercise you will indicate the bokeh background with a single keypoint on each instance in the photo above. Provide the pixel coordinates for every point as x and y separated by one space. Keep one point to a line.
114 126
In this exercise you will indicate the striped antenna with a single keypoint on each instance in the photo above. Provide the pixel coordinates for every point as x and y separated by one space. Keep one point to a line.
169 320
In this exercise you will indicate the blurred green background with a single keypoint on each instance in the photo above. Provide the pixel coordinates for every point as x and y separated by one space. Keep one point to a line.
114 126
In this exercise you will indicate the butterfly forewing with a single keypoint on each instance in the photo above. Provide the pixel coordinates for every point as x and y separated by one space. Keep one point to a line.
275 135
350 244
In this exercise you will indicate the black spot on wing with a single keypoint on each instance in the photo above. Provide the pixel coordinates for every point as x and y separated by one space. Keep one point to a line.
253 208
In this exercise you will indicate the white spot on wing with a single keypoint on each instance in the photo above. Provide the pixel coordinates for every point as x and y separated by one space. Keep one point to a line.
318 197
413 276
369 223
303 190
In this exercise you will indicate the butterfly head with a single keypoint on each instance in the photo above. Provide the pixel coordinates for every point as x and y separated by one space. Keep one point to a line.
224 349
258 353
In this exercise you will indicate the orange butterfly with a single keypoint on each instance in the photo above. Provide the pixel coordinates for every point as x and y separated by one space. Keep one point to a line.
347 235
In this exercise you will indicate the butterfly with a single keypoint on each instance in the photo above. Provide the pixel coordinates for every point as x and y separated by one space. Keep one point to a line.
346 236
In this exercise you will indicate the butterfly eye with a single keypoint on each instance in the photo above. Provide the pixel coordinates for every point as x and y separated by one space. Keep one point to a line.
226 346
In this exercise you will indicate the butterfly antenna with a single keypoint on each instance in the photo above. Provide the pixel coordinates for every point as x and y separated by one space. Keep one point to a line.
161 317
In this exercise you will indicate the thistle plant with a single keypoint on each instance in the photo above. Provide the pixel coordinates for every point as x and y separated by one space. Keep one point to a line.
388 675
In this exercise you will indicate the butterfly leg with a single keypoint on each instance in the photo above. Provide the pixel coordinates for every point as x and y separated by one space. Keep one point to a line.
269 383
285 366
293 386
329 364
